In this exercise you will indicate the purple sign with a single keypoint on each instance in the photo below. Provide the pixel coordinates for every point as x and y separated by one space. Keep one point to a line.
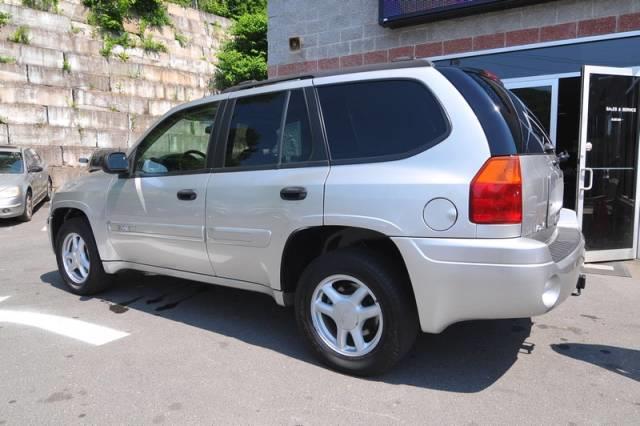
405 12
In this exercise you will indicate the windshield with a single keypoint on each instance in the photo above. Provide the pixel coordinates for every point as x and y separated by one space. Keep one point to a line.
11 162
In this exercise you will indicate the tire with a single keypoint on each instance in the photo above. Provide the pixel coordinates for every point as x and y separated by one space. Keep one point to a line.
79 278
390 335
49 190
28 208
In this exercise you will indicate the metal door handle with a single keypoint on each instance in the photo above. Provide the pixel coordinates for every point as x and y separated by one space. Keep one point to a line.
187 195
587 188
293 193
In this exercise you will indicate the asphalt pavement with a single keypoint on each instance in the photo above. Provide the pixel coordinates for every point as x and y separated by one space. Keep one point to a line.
157 350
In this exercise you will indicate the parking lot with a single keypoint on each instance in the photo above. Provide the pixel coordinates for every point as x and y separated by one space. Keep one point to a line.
161 350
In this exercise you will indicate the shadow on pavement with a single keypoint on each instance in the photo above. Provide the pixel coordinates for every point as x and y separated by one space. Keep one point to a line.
623 361
467 357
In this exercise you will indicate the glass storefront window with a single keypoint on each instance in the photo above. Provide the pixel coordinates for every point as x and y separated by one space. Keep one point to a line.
621 52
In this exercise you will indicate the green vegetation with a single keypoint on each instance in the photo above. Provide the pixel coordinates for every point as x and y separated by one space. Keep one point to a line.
244 57
182 40
45 5
110 15
7 59
227 8
20 35
110 41
74 30
66 66
4 19
123 56
150 45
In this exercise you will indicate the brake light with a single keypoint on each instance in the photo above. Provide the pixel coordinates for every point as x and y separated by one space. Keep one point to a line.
496 192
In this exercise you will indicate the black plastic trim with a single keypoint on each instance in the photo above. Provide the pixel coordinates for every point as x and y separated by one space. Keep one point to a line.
497 132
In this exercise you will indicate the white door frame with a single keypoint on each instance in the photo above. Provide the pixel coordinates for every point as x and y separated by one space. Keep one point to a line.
602 255
540 81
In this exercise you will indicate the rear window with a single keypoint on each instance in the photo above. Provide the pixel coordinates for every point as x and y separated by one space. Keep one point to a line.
380 119
515 130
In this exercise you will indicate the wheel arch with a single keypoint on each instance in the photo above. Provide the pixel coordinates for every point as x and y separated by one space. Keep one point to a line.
306 244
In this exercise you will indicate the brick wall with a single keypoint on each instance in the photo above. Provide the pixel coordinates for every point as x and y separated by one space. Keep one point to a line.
59 95
344 33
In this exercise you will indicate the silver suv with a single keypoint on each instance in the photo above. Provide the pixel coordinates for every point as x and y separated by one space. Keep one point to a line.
380 201
24 182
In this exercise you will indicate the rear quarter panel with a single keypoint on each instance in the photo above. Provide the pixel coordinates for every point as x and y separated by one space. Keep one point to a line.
389 197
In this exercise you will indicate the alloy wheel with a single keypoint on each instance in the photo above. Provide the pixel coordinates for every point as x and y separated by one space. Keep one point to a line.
346 315
75 258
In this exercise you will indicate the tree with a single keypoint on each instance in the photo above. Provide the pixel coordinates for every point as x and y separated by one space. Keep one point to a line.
244 57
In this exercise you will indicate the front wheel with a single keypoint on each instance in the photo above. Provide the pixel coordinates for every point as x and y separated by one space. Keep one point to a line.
49 190
78 259
356 311
27 214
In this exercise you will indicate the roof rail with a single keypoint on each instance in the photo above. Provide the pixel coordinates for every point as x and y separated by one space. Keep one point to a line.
398 63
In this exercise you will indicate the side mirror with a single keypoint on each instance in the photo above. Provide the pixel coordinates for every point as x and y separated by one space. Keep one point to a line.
35 169
116 163
564 156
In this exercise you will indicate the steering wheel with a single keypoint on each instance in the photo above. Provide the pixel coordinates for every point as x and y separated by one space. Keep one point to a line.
195 152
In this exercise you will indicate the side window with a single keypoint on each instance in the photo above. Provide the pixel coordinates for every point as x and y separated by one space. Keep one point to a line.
380 118
297 142
179 144
29 159
254 133
37 159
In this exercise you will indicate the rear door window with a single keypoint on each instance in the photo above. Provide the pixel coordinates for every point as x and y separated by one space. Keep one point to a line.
270 131
380 120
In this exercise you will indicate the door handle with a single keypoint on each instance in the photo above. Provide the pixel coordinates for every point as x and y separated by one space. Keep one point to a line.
187 195
293 193
587 188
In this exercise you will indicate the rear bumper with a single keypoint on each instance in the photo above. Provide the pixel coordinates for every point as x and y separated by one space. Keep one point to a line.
457 279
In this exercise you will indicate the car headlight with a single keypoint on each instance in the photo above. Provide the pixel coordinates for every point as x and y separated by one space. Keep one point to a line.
10 192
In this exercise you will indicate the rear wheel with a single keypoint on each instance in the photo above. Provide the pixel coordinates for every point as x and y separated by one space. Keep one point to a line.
356 312
78 259
27 214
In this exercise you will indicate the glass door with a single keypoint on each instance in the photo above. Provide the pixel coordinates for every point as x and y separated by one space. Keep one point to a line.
607 184
541 97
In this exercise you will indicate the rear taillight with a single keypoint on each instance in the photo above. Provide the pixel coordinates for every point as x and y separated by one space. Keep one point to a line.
496 192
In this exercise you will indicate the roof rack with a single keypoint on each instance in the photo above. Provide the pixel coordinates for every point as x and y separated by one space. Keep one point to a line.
397 64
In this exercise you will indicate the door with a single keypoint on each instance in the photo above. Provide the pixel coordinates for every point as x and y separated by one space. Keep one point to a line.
35 177
156 216
269 183
607 188
541 97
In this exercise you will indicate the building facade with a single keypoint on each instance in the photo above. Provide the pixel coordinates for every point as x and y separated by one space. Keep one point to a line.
575 63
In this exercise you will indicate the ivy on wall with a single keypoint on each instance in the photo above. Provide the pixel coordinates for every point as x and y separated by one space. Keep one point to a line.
110 15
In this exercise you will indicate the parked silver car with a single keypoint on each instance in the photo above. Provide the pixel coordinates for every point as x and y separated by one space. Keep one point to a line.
379 201
24 182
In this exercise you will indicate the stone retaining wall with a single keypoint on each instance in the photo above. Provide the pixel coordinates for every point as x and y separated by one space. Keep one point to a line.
65 99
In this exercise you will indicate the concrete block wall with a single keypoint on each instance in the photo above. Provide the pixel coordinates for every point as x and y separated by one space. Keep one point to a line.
344 33
66 112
